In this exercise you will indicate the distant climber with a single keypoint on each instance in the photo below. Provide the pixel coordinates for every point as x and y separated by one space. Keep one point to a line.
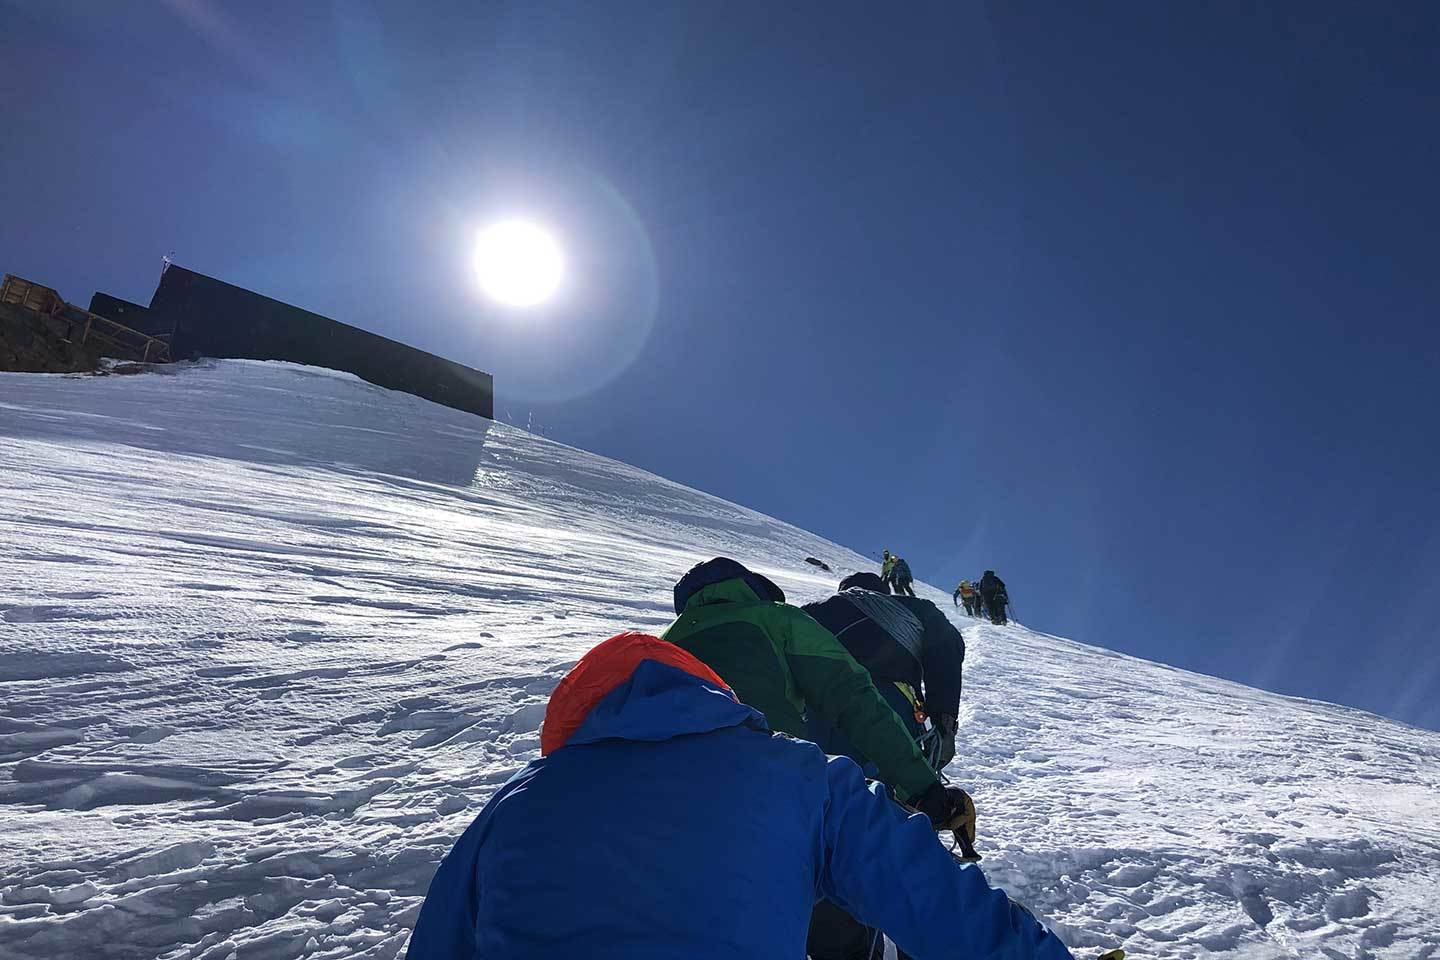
900 576
887 564
992 589
663 820
781 662
965 595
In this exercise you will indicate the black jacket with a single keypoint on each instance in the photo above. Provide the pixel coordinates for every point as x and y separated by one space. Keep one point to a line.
991 586
943 657
901 639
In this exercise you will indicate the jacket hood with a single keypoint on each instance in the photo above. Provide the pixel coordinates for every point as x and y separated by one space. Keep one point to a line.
723 580
638 687
865 580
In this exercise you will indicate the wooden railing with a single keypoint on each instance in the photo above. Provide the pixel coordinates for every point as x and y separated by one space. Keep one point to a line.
82 326
31 296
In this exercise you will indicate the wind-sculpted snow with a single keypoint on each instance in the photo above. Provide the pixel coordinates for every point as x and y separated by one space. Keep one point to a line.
269 637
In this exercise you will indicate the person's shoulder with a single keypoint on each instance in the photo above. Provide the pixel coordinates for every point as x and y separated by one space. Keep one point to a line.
501 804
803 754
789 611
917 604
541 769
822 603
786 758
785 741
779 620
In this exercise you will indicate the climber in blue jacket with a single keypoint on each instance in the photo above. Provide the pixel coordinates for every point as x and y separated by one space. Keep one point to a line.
664 820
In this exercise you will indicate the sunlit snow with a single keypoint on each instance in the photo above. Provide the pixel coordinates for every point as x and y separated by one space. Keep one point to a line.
270 636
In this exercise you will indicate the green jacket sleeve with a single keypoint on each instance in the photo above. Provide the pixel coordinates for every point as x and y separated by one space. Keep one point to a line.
835 686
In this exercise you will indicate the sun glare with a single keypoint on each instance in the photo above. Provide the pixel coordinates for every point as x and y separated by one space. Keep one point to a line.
518 263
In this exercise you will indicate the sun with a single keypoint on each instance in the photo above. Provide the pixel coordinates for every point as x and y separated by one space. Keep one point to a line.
518 263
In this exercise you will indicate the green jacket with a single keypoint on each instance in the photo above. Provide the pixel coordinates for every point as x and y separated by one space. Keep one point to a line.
781 662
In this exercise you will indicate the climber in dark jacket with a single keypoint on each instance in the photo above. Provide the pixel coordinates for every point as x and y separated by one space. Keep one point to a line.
943 657
992 589
901 578
913 652
663 820
915 663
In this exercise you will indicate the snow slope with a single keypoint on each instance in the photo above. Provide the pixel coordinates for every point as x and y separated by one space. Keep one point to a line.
269 637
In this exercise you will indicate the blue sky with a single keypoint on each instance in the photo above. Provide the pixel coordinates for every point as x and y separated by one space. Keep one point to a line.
1135 303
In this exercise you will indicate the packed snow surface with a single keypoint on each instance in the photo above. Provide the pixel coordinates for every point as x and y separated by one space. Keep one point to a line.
270 637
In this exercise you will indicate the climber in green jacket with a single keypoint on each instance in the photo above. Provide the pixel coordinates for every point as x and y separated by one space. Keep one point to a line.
780 661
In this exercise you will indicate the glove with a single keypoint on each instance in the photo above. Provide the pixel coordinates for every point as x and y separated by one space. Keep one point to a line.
950 808
946 727
960 817
1112 955
935 804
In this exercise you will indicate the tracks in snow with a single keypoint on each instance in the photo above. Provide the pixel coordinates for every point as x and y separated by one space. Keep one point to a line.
276 636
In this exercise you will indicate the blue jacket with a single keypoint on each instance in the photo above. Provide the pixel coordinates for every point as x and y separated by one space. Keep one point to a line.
673 825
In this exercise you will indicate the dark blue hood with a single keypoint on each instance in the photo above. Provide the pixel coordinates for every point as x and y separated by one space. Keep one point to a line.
719 570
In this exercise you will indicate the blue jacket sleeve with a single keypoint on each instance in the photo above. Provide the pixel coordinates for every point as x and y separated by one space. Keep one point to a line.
889 871
445 929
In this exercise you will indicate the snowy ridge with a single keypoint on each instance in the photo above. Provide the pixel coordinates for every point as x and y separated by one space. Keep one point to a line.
271 637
